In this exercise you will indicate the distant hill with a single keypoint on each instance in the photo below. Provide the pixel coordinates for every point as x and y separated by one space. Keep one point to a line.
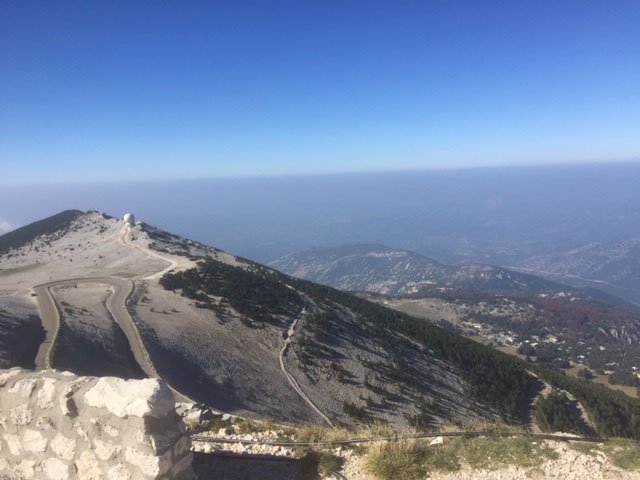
591 327
388 271
613 267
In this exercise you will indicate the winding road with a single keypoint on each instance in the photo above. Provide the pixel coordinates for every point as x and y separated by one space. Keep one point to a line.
116 304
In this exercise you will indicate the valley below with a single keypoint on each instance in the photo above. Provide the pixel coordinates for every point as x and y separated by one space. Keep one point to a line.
461 318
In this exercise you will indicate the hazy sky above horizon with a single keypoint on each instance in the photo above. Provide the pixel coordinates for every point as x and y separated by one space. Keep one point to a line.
165 90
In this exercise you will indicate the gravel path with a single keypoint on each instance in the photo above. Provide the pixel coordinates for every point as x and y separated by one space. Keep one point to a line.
292 381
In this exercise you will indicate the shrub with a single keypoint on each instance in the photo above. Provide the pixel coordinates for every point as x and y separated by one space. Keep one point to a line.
553 414
403 460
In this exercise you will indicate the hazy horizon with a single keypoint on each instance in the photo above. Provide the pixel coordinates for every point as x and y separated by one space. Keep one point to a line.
513 210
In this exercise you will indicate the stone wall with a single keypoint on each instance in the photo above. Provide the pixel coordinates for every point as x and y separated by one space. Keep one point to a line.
56 426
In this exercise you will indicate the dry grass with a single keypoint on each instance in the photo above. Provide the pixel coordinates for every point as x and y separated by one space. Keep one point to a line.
492 427
413 459
623 453
403 460
586 448
494 452
317 433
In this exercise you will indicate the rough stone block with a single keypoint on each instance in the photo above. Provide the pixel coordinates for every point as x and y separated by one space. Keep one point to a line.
148 397
64 447
21 415
7 375
160 442
24 387
148 464
89 467
67 404
56 469
47 393
25 469
106 450
119 472
34 441
14 444
57 426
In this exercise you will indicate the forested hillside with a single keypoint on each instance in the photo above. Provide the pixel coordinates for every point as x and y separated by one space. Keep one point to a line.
501 380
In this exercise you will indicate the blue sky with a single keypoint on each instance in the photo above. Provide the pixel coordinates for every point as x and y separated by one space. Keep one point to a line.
167 89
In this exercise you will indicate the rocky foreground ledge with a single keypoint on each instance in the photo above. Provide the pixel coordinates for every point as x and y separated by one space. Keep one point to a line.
57 426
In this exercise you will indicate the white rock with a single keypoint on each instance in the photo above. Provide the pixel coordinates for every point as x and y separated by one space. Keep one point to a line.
34 441
55 469
119 472
105 450
204 447
25 469
21 415
13 442
88 466
47 393
139 398
7 375
24 387
63 447
437 441
67 405
149 464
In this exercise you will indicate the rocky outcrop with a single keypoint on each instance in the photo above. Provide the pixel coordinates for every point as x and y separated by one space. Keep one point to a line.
57 426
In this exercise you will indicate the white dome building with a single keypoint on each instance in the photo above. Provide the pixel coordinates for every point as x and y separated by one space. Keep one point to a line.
129 218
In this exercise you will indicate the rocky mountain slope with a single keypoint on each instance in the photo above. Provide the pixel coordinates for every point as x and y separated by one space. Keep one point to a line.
249 340
246 346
